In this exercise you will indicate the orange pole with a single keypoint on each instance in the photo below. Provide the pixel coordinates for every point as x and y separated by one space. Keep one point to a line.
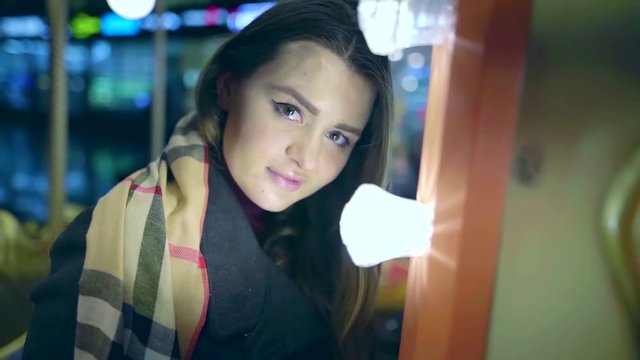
471 118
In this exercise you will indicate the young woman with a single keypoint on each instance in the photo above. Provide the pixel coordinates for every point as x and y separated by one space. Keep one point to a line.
227 246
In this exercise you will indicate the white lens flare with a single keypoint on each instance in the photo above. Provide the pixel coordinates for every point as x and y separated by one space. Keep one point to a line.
132 9
377 226
391 25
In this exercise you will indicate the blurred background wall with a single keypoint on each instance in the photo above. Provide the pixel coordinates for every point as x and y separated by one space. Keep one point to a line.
579 124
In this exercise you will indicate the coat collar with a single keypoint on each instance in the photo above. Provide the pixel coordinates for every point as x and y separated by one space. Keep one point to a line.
235 262
250 296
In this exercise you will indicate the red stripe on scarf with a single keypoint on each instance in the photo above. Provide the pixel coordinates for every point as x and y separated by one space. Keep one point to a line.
188 254
145 189
203 313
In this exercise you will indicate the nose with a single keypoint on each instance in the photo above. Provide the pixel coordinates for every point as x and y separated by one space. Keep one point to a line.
304 152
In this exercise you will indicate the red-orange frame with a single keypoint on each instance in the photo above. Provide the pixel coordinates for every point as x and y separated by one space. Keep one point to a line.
472 112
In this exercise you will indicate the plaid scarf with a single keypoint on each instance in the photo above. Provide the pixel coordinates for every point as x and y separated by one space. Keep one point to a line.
144 287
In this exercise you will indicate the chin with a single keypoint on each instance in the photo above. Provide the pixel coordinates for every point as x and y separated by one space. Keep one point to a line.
272 205
276 209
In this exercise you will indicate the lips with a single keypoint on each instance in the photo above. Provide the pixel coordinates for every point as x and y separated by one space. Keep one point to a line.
287 182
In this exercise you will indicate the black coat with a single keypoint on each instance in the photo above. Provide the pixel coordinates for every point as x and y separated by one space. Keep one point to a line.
255 310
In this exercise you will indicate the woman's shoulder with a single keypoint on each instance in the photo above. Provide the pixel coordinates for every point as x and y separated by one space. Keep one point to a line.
75 234
67 256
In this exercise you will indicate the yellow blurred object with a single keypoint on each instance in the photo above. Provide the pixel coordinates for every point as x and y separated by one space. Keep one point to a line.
24 249
13 347
393 285
21 255
70 212
10 236
24 258
620 222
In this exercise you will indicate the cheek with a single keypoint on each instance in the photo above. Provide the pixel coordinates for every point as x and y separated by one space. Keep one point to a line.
264 141
332 166
244 132
257 130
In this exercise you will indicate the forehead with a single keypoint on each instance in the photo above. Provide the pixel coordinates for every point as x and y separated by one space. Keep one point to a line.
323 78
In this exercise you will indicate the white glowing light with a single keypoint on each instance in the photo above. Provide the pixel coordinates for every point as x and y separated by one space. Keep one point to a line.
132 9
416 60
409 83
389 25
377 226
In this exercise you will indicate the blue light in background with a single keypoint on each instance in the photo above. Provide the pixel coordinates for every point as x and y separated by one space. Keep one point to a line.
115 25
100 51
142 101
170 20
193 18
76 181
33 205
23 27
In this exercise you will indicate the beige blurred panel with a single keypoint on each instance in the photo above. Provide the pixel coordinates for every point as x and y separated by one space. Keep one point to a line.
579 125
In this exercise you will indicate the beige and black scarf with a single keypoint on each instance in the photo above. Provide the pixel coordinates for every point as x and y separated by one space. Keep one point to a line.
144 288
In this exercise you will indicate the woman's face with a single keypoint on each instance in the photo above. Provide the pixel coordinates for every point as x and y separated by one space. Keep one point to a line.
292 125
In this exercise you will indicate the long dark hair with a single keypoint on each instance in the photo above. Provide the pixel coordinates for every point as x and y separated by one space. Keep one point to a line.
304 240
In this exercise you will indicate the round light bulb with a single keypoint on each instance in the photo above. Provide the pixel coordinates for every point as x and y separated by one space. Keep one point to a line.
132 9
376 226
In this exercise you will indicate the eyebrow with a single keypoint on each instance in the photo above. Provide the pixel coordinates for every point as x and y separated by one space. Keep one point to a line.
349 128
297 95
